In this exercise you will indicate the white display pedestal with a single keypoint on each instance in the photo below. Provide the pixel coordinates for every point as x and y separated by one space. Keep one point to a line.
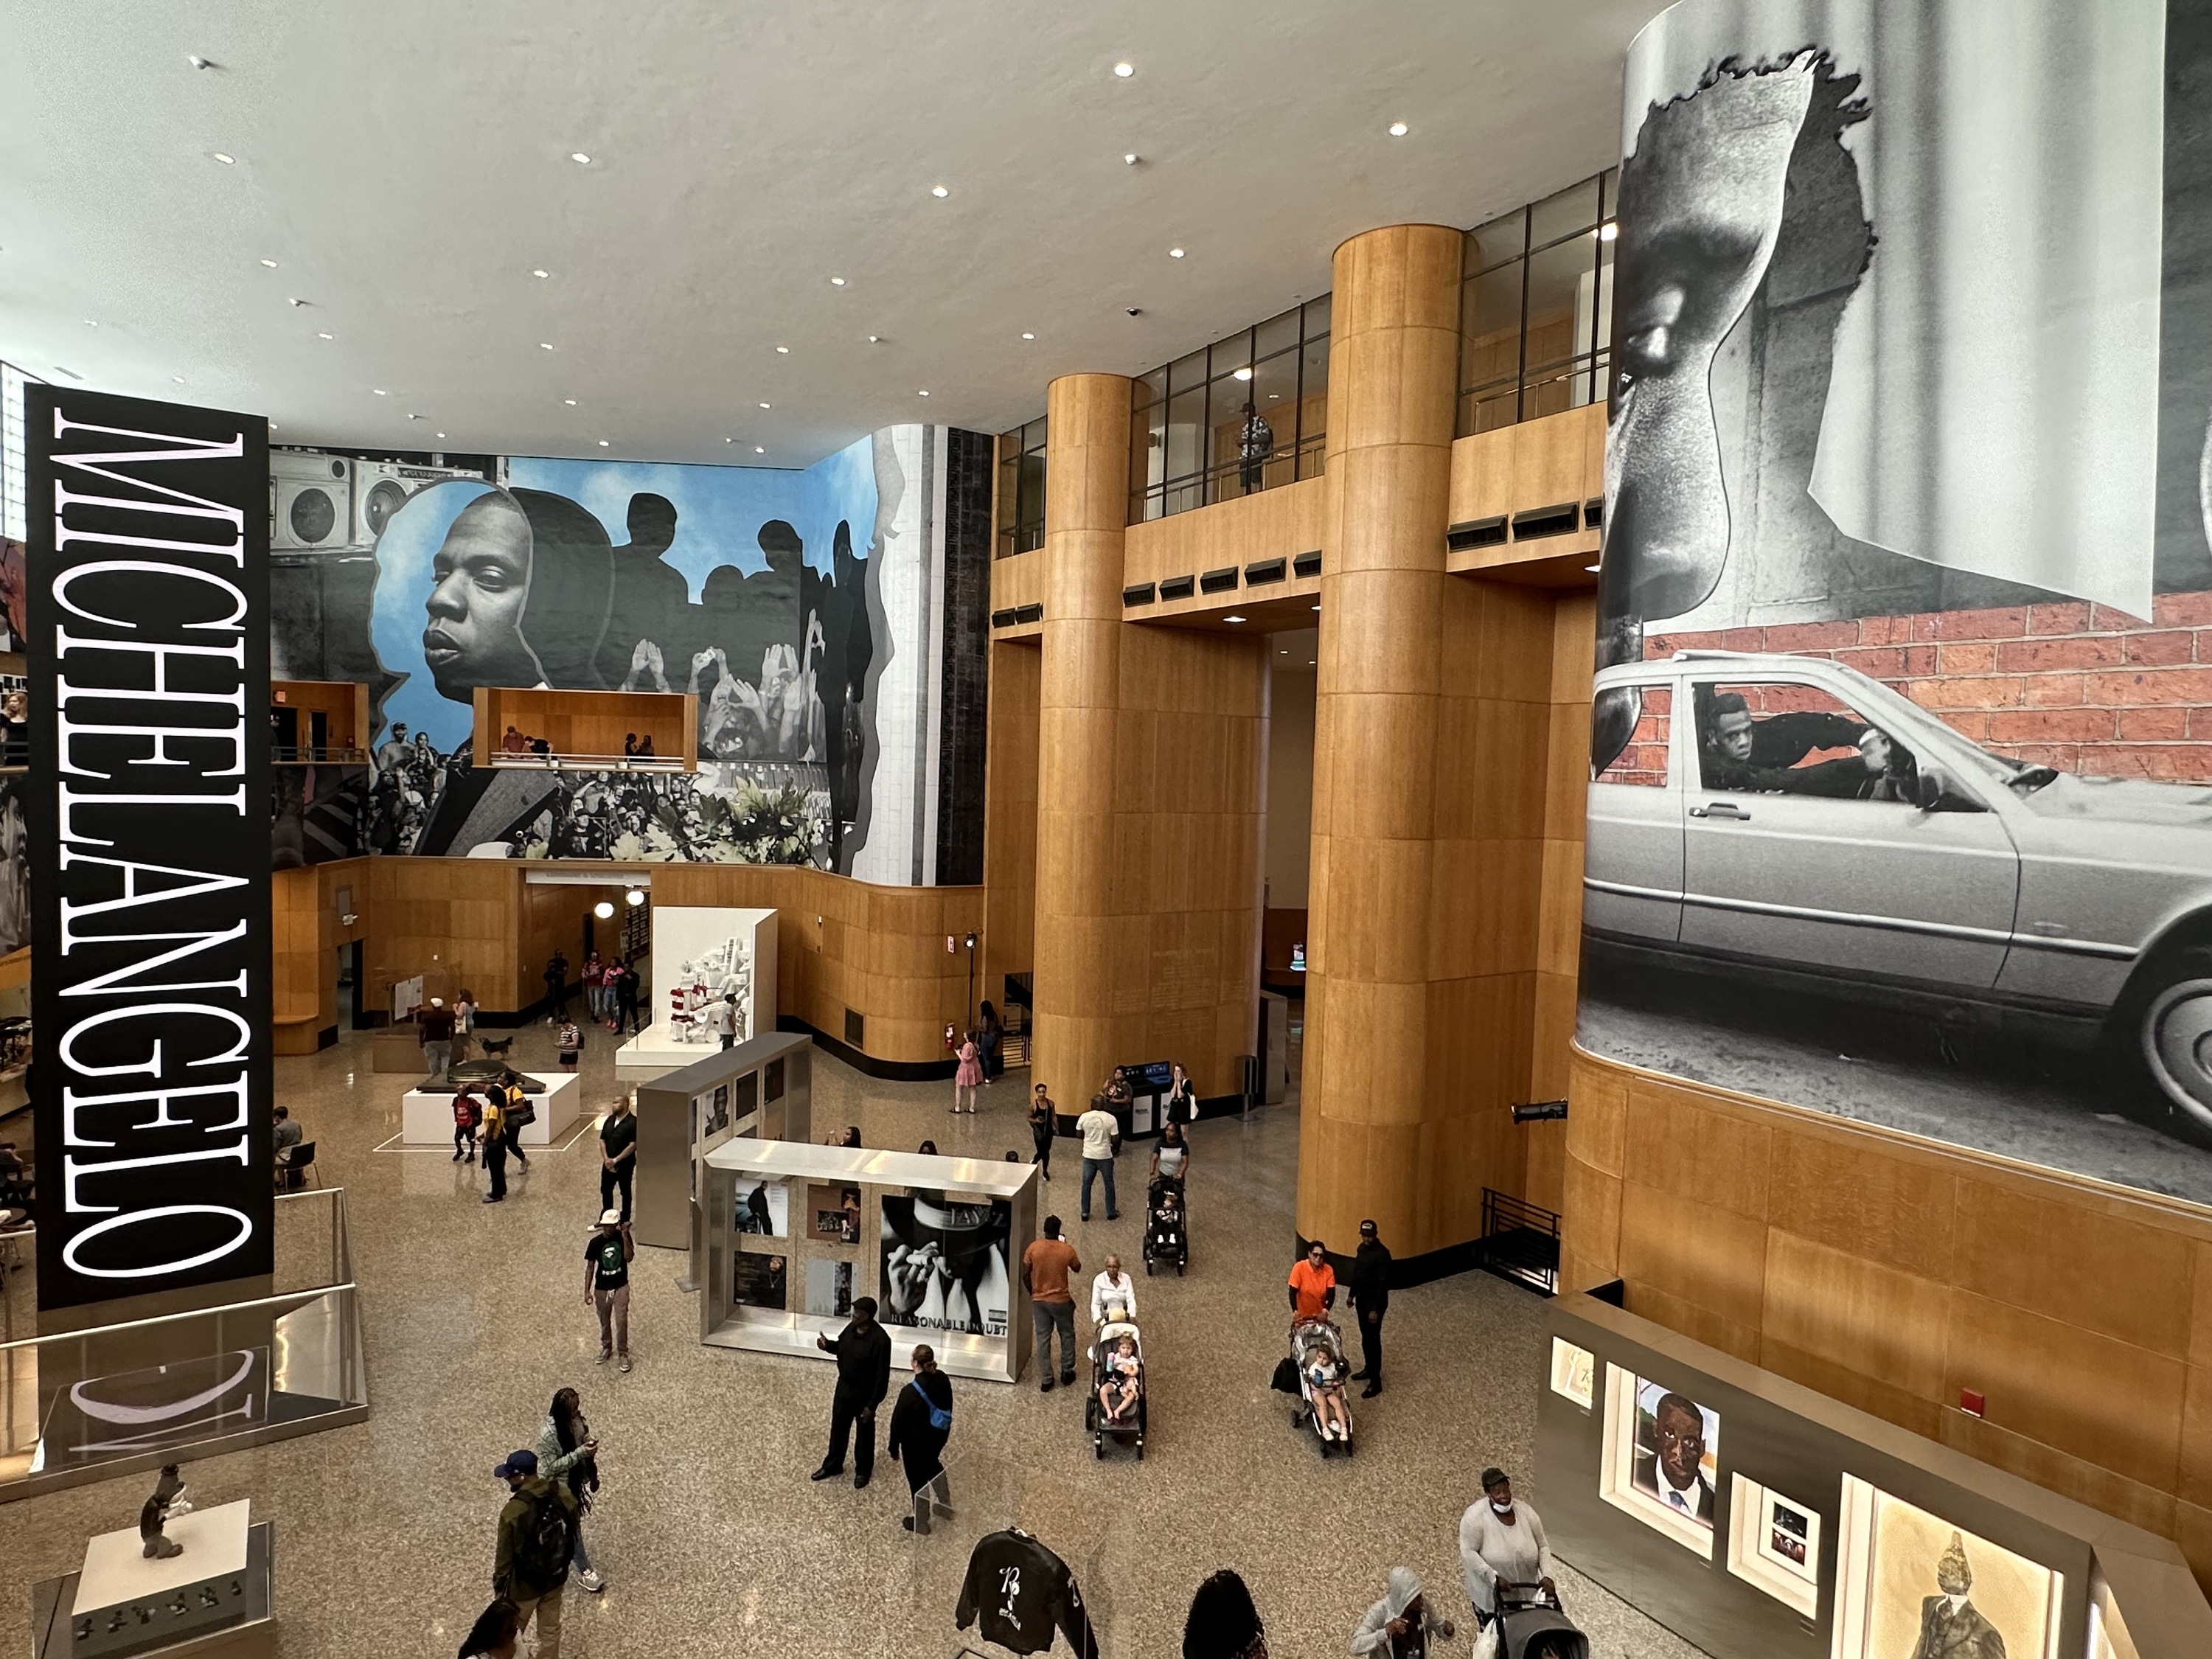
654 1053
426 1118
116 1571
685 933
211 1599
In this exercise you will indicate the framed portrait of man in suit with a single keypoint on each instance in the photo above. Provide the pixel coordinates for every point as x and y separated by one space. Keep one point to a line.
1662 1458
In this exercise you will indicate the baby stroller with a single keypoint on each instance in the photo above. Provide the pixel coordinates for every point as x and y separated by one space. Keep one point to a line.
1131 1427
1313 1340
1167 1227
1531 1625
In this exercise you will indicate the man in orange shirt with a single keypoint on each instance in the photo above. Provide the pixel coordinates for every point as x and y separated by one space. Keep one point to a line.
1045 1267
1313 1285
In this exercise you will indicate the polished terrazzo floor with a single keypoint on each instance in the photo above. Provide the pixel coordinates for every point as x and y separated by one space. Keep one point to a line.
711 1538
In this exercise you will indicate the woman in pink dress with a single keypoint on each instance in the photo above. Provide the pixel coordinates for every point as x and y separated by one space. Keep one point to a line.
968 1078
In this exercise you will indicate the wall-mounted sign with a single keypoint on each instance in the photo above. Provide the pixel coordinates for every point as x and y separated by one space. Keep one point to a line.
148 656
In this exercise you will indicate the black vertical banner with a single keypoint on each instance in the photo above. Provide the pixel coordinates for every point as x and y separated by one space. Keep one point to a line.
148 653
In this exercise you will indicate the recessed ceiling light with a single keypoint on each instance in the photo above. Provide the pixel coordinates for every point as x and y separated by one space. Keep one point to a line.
1174 254
320 335
545 345
580 158
603 443
764 405
292 300
1028 336
924 394
938 190
196 60
227 160
729 440
541 274
380 392
176 380
1398 129
1125 70
442 435
270 264
414 417
783 351
1233 619
1130 159
1282 653
759 450
571 402
1274 397
1605 233
89 323
837 281
875 339
1241 374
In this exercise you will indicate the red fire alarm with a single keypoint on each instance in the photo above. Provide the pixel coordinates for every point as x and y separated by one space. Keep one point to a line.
1971 1401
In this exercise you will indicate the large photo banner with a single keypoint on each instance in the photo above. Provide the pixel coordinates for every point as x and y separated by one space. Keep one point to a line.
149 844
1901 773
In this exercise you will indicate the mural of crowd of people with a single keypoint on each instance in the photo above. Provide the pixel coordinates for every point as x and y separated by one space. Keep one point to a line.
758 592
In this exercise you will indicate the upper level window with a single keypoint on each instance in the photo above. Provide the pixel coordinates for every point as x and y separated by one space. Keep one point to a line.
1021 488
1537 308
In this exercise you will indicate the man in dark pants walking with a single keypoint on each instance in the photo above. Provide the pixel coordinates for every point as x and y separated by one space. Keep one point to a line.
626 985
1371 1296
864 1377
556 985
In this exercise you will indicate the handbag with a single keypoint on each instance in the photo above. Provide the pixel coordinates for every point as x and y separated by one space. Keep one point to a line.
521 1115
1486 1641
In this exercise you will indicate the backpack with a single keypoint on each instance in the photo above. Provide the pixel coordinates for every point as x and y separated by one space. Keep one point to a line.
940 1417
548 1541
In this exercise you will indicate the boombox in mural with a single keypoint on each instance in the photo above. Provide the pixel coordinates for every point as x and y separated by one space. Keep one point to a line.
759 592
1902 738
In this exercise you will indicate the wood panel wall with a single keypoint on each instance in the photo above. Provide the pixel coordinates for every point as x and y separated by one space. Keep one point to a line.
1010 815
305 934
343 703
1275 523
588 722
455 921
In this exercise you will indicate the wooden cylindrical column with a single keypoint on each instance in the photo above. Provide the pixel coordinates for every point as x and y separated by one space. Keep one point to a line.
1373 1130
1086 513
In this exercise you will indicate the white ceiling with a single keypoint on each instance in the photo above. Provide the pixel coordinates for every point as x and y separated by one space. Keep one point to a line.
407 165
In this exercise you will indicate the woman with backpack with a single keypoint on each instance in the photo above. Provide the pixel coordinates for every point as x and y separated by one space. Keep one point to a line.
921 1422
568 1453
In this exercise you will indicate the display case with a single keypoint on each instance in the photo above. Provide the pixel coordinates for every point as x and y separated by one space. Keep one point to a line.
699 954
758 1090
795 1232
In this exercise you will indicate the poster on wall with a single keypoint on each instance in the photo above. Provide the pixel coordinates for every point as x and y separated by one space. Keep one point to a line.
1910 1582
780 598
763 1207
1901 744
1660 1460
759 1281
828 1286
835 1212
149 829
944 1262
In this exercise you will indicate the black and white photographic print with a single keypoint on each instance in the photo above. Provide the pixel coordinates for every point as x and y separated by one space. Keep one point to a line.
1901 772
944 1262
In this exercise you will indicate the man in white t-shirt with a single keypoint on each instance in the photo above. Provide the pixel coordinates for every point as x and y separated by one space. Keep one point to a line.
1110 1290
1102 1139
722 1019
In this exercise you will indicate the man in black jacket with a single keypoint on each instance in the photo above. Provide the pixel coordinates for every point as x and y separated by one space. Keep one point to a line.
1371 1296
864 1376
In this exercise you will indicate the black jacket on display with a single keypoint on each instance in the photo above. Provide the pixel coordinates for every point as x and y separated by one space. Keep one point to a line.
864 1363
915 1443
1370 1278
1023 1591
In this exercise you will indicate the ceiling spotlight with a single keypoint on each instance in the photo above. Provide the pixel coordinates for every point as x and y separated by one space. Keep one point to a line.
227 160
837 281
580 158
1282 653
1608 232
291 301
1232 619
571 402
1125 70
414 417
634 897
924 394
545 345
321 335
89 323
729 440
603 910
1028 336
759 449
379 391
1174 254
270 264
1129 160
938 190
783 351
1398 129
875 339
764 405
603 443
1136 311
541 274
1241 374
442 435
196 61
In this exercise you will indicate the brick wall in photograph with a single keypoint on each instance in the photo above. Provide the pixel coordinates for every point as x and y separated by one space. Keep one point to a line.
2077 686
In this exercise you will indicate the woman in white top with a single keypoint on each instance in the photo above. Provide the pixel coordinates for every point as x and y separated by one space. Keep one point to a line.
1113 1289
1171 1156
1498 1540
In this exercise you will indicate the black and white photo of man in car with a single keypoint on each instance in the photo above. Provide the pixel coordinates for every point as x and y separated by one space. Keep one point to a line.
1774 753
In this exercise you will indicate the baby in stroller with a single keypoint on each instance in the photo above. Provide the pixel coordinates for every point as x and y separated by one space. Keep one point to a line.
1124 1383
1165 1239
1317 1352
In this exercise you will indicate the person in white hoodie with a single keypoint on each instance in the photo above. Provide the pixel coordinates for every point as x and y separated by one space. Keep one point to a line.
1113 1289
1399 1627
1500 1540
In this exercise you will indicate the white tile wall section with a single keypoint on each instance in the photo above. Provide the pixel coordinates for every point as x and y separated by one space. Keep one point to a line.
906 710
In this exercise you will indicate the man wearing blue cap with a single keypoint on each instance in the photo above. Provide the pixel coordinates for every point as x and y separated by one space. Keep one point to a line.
537 1539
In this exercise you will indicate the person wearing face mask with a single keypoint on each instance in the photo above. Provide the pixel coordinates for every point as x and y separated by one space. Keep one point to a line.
1501 1542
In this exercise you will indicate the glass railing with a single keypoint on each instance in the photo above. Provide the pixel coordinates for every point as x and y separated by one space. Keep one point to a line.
86 1405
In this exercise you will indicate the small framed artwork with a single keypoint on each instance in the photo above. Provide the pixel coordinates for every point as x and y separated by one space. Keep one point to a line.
1774 1544
1913 1582
762 1206
758 1281
1661 1458
1574 1373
